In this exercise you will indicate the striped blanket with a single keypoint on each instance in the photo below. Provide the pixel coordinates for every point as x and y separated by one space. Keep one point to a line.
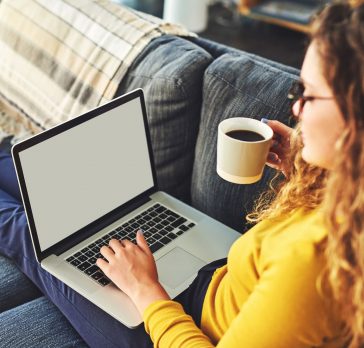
60 58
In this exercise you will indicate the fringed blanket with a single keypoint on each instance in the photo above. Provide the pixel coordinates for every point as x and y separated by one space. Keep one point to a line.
60 58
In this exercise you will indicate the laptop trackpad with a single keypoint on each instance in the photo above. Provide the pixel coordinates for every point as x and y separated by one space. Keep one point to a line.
177 266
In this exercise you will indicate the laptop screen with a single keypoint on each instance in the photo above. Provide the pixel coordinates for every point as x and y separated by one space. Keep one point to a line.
84 172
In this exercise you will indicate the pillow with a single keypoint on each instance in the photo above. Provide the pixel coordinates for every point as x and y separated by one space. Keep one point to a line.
235 85
170 71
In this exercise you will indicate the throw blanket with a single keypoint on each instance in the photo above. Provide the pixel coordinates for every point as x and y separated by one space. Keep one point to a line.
60 58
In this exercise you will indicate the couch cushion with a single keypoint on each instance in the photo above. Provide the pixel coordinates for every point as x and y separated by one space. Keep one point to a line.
235 85
170 70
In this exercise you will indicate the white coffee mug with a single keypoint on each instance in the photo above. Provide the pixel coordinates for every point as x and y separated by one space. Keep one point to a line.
241 161
193 14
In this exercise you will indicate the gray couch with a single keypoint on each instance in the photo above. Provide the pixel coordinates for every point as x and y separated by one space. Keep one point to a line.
191 85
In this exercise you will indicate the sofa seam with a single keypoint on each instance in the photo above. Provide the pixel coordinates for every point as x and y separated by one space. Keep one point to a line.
241 91
264 65
267 68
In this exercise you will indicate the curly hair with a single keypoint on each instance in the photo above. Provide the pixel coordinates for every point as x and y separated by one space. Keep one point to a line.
303 187
338 32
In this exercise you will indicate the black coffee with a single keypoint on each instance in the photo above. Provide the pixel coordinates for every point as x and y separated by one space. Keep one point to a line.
245 135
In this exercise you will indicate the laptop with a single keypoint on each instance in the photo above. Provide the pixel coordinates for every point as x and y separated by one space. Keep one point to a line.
92 179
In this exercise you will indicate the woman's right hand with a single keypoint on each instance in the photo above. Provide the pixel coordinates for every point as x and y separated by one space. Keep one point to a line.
279 150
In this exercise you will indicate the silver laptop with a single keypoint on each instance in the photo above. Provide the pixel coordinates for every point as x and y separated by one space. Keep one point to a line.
92 179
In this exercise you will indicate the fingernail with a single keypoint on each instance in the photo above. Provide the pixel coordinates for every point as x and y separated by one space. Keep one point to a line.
141 232
264 120
273 157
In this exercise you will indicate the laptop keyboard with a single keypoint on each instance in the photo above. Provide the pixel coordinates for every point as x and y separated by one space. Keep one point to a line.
159 224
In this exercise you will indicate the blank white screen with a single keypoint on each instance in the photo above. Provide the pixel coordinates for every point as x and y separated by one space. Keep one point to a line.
79 175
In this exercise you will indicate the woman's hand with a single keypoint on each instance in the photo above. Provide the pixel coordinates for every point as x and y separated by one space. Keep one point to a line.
280 148
133 270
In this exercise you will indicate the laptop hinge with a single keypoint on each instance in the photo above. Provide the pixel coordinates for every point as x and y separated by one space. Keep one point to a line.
87 232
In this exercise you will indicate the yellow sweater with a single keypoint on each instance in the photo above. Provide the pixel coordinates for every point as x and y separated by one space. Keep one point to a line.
266 296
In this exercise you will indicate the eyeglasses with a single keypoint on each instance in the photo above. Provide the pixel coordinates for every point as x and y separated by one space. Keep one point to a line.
296 95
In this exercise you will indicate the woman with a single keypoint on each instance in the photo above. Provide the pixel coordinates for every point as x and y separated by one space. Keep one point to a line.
296 278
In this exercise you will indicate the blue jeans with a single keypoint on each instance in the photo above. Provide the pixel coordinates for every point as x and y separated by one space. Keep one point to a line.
96 327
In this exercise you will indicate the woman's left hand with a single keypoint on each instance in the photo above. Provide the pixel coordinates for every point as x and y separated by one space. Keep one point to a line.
133 270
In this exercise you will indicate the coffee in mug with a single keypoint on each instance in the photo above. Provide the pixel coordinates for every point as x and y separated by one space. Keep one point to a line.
242 149
245 135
